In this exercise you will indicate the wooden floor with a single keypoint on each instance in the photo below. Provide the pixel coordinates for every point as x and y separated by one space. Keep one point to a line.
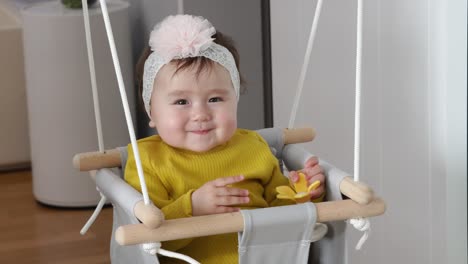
34 233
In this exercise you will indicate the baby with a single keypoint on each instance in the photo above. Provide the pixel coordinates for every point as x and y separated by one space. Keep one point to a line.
201 163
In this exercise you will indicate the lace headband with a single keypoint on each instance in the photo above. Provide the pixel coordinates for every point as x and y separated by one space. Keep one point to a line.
184 36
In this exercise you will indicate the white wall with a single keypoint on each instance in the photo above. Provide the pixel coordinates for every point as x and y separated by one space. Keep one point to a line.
413 120
456 82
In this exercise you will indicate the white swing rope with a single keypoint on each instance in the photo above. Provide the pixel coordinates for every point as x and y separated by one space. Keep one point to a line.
123 95
180 7
155 248
362 224
97 112
152 248
305 64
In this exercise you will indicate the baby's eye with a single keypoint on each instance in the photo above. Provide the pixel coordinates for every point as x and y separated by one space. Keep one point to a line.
215 99
181 102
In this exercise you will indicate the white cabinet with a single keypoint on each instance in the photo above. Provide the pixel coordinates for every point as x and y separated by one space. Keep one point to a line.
60 106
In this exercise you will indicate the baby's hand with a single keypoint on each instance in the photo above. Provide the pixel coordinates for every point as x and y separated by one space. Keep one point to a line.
216 197
313 173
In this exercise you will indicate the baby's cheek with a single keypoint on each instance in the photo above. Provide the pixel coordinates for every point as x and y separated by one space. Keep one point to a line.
173 124
229 121
170 128
173 121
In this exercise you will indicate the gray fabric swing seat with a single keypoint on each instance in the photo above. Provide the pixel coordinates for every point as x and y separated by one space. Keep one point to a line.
271 235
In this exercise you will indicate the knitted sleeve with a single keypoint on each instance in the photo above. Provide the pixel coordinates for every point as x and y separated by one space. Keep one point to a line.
159 195
275 179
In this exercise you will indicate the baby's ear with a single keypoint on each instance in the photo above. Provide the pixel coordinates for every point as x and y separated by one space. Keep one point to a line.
152 124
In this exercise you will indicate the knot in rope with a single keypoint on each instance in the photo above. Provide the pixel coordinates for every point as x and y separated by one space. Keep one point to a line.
363 225
151 248
155 248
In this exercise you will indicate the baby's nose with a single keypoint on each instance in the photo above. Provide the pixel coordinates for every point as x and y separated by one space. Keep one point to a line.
201 113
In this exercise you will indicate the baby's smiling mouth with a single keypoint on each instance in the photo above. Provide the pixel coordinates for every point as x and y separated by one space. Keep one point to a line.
201 131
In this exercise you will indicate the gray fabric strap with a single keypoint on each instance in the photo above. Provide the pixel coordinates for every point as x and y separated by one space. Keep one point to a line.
274 137
123 197
123 159
277 234
331 248
117 190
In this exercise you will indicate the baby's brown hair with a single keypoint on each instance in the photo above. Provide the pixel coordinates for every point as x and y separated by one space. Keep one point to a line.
200 63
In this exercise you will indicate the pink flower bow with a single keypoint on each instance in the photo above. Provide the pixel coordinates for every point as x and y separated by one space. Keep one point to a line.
181 36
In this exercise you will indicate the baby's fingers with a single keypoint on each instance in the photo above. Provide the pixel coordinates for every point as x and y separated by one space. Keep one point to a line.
293 176
221 182
230 191
312 161
231 200
312 171
314 194
226 209
318 177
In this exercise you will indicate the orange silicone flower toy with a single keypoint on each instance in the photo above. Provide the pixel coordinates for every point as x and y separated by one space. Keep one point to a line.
298 191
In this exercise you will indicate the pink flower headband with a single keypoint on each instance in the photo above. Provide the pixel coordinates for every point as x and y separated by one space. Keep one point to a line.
184 36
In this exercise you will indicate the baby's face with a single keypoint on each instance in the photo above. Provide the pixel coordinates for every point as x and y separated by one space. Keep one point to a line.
194 113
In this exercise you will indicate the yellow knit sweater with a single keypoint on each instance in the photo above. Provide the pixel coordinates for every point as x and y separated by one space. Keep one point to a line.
173 174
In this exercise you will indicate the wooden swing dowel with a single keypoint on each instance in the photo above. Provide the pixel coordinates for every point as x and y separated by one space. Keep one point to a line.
97 160
298 135
348 209
233 222
180 228
150 215
111 158
356 191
